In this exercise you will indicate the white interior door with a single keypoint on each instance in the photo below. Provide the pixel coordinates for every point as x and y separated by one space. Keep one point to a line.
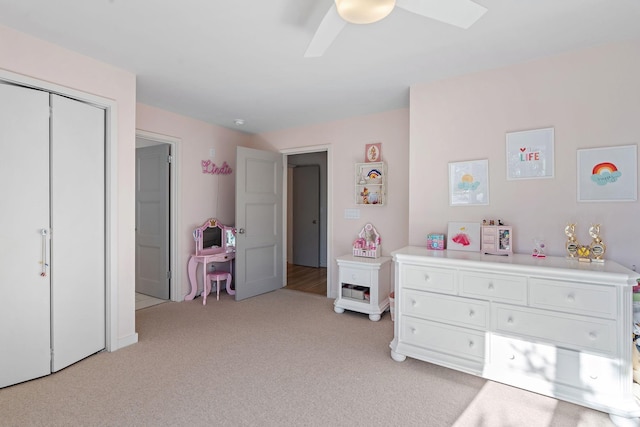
152 221
25 350
77 231
259 254
306 215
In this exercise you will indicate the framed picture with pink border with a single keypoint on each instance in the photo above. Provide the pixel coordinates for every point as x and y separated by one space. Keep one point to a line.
373 152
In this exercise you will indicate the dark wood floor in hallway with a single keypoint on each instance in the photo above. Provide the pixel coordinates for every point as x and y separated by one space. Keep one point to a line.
307 279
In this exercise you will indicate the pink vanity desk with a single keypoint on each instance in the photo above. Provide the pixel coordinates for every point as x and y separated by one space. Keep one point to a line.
219 242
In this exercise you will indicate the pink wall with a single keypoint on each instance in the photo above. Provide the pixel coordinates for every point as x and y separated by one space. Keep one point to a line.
202 196
590 97
38 59
346 140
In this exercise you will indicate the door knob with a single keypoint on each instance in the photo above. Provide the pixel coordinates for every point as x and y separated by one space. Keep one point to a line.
241 230
315 221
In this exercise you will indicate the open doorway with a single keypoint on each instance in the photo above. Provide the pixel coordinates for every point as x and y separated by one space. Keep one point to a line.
307 228
155 219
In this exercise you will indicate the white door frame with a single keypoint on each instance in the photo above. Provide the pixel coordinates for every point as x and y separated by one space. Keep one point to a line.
111 197
305 150
175 293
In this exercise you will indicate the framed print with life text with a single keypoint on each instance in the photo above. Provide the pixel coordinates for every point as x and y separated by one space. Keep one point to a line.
469 183
608 174
530 154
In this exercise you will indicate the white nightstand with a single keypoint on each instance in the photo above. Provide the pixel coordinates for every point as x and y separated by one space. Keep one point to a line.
364 285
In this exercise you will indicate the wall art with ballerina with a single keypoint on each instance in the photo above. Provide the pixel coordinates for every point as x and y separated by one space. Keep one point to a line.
463 236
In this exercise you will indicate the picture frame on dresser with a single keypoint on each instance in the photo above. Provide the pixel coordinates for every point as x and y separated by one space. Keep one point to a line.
463 236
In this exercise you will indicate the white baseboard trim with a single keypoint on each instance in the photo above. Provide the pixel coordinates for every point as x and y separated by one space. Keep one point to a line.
127 341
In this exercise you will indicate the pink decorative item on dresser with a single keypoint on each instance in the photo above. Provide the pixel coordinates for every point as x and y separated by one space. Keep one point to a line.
214 243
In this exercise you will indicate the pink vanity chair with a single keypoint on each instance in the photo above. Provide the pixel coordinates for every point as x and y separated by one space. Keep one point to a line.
217 276
214 243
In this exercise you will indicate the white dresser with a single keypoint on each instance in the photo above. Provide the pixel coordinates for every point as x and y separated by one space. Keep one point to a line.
551 325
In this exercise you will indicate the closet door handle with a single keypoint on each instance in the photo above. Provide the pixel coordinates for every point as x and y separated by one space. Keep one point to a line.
240 230
45 237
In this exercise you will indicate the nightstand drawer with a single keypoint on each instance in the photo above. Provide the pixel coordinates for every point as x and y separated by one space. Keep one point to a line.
573 297
429 278
355 276
460 311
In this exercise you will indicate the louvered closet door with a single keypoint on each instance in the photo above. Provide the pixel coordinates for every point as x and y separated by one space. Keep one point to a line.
24 212
78 230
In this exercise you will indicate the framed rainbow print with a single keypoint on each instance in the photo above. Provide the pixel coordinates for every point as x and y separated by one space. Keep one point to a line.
469 183
608 174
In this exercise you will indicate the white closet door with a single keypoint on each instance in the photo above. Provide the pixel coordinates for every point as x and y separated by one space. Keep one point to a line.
78 231
24 212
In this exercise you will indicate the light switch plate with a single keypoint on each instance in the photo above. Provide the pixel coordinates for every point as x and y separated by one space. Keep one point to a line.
352 213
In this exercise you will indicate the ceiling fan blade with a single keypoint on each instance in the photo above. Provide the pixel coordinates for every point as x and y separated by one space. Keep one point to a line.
460 13
326 33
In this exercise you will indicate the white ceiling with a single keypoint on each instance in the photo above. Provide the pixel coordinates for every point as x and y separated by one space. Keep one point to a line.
218 61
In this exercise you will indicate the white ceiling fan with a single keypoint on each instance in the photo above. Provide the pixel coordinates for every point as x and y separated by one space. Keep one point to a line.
460 13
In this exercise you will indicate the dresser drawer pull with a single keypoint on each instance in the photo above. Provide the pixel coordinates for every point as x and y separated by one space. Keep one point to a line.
490 287
413 330
472 313
593 335
413 302
471 344
509 319
593 376
426 278
571 297
511 357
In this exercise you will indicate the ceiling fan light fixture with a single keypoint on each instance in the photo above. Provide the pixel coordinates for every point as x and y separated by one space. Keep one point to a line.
364 11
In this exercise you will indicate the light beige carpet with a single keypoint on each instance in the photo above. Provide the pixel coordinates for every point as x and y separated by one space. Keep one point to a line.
280 359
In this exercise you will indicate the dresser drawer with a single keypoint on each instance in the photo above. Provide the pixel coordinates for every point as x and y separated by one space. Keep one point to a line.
460 311
459 342
562 330
573 297
355 276
495 287
428 278
546 362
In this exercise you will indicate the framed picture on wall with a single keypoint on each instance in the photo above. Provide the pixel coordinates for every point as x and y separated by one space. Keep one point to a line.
530 154
373 152
469 183
608 174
